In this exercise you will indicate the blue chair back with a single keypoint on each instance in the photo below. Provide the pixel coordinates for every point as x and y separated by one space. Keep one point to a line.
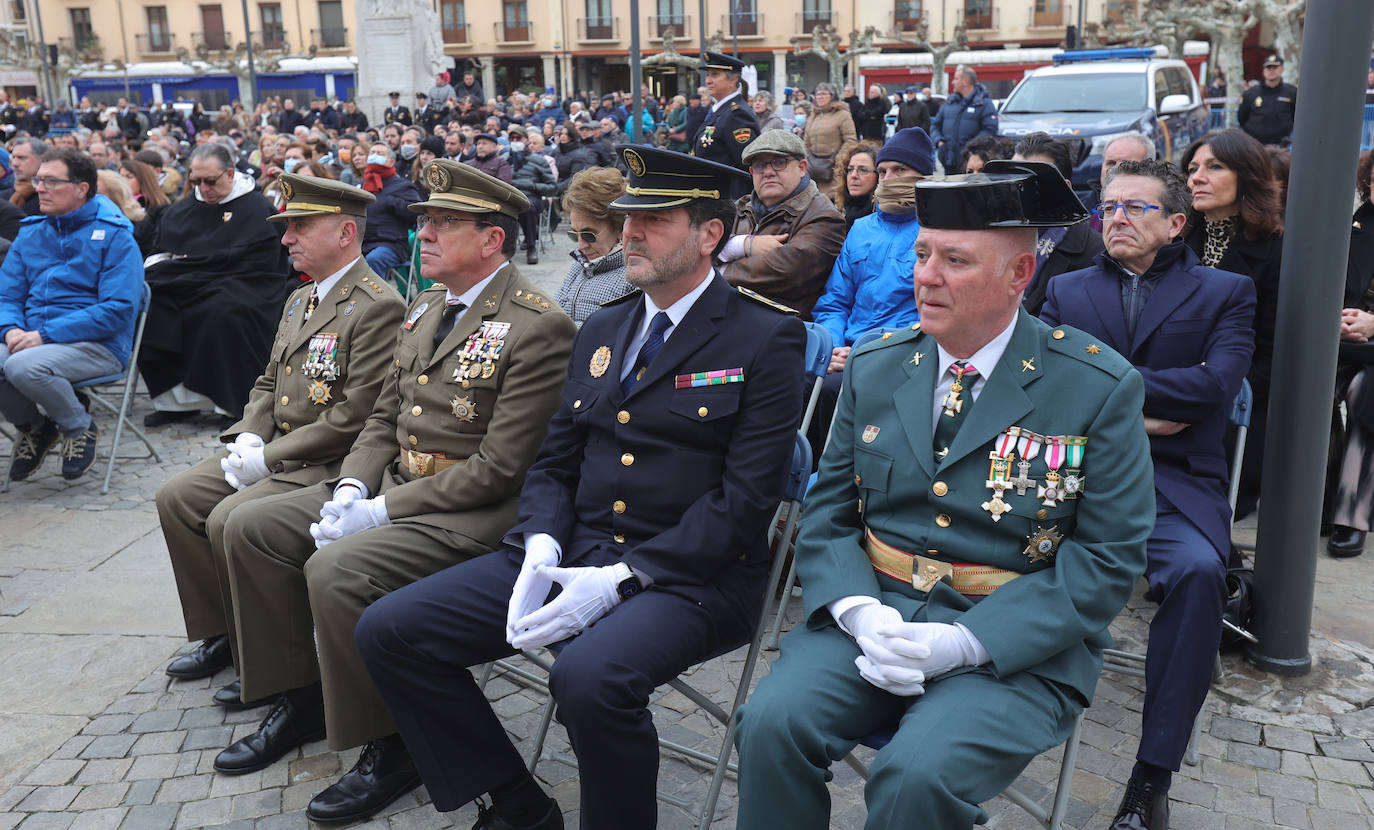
799 477
819 345
1241 407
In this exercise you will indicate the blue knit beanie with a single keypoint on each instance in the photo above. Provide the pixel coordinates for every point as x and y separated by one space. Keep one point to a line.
911 147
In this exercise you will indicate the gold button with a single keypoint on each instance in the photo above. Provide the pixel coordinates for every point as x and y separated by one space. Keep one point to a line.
577 404
416 410
943 520
619 506
422 379
1058 334
703 412
1042 514
627 459
288 370
285 400
413 440
619 538
939 488
622 416
398 364
858 480
466 384
285 427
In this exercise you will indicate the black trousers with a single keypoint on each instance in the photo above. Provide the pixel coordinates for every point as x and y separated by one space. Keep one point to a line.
529 221
418 643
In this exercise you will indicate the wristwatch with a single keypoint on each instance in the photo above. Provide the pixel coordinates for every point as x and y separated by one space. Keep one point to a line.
627 584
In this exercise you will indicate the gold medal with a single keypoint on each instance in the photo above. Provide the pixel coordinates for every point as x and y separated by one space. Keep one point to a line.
319 392
601 360
464 408
474 370
996 506
1043 544
488 369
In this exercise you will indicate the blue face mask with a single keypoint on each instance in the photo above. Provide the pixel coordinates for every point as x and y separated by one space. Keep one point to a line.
800 118
376 158
291 164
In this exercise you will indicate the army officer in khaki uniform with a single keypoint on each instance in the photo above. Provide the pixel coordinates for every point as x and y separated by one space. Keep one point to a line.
326 366
433 480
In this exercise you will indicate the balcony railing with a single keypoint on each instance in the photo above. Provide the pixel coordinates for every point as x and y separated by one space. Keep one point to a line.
270 39
681 24
906 17
330 37
598 28
743 24
521 32
158 43
982 17
460 33
1048 18
214 41
807 21
79 43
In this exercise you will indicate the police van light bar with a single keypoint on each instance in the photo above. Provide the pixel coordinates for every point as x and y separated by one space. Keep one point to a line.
1082 55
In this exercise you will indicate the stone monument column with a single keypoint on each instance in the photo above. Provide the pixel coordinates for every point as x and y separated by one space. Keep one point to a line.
402 50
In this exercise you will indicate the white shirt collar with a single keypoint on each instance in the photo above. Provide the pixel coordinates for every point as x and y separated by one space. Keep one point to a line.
717 105
677 310
470 296
985 360
324 286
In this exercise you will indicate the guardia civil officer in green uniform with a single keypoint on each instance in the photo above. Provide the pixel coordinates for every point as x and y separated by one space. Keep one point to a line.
331 352
980 517
730 125
432 480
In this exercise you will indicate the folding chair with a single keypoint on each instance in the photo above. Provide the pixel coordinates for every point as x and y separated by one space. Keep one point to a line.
407 277
779 539
1132 663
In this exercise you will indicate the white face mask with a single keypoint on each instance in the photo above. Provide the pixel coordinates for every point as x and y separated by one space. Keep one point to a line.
408 151
517 146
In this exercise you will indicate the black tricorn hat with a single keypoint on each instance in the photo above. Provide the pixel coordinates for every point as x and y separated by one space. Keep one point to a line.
662 179
1006 194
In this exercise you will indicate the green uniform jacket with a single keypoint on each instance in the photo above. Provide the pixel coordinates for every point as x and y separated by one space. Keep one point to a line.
1053 620
308 436
496 422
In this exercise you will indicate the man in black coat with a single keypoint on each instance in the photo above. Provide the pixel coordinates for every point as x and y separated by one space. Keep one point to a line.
1266 109
912 112
680 567
396 114
1059 250
127 119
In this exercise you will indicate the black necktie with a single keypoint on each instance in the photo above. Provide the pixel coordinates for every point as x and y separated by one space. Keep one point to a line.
956 407
451 312
652 344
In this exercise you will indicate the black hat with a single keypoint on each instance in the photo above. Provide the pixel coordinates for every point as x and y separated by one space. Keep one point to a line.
394 95
422 95
1274 60
1007 194
715 60
663 179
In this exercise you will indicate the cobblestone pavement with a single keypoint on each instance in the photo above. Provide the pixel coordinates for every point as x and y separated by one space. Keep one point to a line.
94 735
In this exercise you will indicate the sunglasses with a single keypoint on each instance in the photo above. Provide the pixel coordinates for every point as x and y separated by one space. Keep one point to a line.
588 237
210 180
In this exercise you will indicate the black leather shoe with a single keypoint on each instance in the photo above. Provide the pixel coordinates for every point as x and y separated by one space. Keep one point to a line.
30 448
489 819
231 697
384 773
1345 542
163 417
209 657
297 718
532 257
1142 808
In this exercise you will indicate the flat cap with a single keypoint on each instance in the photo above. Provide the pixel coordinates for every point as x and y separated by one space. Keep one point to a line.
665 179
776 142
457 186
1006 194
715 60
311 196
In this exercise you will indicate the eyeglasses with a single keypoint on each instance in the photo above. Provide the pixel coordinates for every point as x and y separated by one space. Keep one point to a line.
1135 209
442 223
588 237
208 180
862 171
48 182
778 163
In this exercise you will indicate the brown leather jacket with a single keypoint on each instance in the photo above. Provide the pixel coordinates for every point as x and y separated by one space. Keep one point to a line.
794 274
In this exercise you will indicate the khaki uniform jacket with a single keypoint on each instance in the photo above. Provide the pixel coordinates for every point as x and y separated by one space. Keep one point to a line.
494 423
795 273
308 438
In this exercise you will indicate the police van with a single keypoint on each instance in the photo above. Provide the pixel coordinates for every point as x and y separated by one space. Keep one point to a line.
1090 97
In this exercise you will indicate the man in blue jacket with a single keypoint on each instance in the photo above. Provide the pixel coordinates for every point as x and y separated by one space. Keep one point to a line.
966 114
1188 330
70 290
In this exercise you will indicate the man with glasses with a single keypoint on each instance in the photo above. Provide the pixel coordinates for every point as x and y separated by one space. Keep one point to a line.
787 234
433 479
218 276
649 503
1188 330
70 291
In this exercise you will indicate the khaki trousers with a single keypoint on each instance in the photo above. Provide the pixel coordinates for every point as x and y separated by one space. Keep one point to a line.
192 507
288 598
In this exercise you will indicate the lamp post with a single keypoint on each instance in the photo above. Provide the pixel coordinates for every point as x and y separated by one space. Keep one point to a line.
248 45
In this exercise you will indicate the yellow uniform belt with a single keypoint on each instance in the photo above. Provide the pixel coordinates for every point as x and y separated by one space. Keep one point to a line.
923 572
424 464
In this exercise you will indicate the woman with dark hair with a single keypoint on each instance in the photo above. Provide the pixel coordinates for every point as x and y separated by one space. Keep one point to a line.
1238 227
984 149
1353 503
856 180
142 181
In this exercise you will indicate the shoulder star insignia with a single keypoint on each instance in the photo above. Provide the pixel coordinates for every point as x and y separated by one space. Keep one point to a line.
1094 349
490 303
916 359
1028 365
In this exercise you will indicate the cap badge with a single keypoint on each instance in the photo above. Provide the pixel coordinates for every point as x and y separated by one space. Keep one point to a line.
634 162
287 190
438 178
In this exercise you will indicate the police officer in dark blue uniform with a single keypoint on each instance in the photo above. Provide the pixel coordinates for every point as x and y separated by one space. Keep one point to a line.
649 505
730 125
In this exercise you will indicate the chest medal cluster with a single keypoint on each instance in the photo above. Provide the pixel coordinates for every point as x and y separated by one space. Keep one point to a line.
477 359
1062 479
321 366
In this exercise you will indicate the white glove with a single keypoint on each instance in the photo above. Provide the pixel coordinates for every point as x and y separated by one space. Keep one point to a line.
950 647
889 661
588 593
238 471
533 584
347 514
